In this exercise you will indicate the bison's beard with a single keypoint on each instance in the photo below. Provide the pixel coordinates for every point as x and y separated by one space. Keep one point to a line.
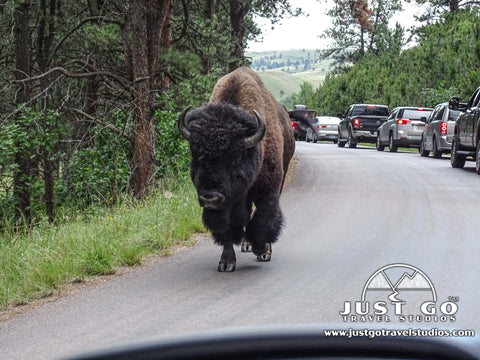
217 221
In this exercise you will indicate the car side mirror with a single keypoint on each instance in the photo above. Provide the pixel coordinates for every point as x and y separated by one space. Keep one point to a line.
340 116
423 118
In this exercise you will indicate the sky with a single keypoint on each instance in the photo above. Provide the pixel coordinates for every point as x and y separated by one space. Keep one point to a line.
303 32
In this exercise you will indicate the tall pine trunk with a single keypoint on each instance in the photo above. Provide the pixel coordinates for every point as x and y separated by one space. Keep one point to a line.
23 66
238 10
147 24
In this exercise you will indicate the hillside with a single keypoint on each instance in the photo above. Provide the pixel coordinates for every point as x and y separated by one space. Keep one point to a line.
284 71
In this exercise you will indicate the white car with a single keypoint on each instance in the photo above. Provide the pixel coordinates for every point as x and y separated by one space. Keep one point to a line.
326 129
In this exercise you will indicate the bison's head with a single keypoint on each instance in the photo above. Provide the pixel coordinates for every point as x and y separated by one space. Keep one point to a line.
226 156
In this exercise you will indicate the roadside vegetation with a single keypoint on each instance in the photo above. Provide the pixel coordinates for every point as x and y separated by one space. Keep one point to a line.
35 261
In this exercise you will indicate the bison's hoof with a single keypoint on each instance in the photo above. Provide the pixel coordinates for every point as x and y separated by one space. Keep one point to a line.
267 254
225 267
246 246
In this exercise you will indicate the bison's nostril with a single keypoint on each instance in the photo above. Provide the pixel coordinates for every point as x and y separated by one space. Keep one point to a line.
211 199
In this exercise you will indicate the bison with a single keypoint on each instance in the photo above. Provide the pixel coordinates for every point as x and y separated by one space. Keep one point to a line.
241 143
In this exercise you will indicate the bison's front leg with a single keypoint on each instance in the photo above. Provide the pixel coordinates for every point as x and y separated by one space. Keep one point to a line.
264 229
228 259
246 246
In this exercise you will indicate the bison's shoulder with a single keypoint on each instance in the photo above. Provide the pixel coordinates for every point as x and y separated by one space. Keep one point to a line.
244 88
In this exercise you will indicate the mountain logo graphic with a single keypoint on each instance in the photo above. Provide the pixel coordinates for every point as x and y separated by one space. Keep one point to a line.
397 278
400 292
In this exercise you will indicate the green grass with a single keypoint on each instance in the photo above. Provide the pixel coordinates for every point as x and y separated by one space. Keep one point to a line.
35 263
414 150
283 84
286 80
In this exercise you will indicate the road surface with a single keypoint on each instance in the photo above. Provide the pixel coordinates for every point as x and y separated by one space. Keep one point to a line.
350 212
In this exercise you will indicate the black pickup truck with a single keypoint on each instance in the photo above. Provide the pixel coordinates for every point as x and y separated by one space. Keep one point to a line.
360 124
466 135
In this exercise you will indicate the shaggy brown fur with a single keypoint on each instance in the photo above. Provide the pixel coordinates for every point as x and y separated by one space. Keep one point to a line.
245 89
229 175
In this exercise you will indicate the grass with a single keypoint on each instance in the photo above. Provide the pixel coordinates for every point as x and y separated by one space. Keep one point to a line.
283 84
414 150
35 263
284 81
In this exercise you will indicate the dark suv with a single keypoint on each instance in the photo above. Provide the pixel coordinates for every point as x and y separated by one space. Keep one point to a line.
466 138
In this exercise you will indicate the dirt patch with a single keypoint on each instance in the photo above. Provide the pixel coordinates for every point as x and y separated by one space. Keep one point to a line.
291 170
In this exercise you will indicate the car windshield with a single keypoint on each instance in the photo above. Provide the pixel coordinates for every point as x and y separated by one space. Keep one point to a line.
452 116
415 114
371 110
327 120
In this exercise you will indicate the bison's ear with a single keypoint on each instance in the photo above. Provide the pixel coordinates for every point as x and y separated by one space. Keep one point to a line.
182 122
254 139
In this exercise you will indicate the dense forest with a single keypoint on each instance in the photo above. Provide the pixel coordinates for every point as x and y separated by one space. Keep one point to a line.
90 93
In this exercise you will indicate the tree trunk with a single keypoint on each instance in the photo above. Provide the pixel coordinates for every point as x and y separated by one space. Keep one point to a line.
48 178
147 25
44 41
238 10
23 62
453 5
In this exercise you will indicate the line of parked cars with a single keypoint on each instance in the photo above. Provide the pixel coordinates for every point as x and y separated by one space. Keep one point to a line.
450 127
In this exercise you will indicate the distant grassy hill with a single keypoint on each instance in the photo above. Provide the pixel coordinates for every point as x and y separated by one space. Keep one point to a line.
284 71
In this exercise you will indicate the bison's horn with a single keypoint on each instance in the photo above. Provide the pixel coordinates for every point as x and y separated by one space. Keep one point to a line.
254 139
183 123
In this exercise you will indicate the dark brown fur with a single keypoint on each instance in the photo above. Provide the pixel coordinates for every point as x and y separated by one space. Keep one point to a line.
239 177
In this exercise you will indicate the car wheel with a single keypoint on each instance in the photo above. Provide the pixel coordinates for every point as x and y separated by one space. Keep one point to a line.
351 143
477 159
423 152
391 145
435 153
378 145
456 160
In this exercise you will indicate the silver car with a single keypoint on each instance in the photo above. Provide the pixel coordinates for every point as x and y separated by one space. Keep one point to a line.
438 133
326 129
404 127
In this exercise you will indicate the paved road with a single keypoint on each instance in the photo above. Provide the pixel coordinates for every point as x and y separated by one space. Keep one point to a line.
349 213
